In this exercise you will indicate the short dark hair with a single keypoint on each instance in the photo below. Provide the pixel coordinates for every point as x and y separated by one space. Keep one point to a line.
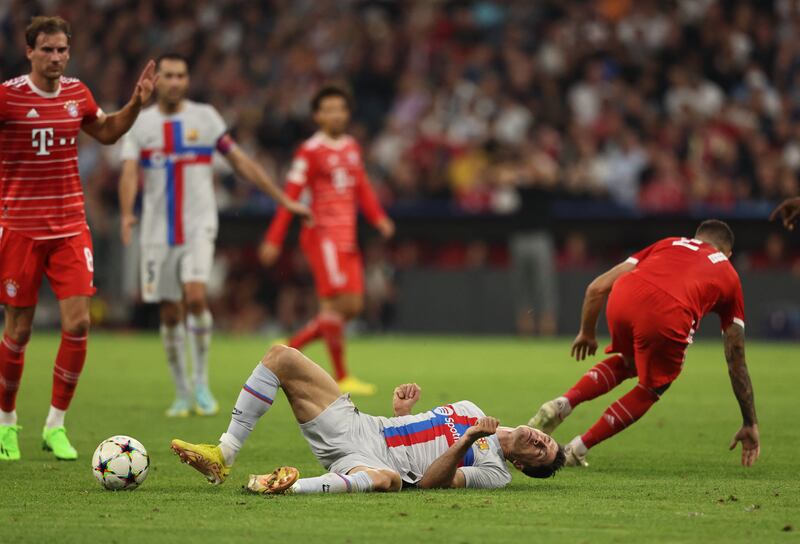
327 91
171 56
548 471
718 231
42 24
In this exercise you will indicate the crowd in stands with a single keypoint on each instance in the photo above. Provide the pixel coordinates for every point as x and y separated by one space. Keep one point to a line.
654 106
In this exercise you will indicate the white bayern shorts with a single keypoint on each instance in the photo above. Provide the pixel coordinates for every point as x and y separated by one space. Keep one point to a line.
165 269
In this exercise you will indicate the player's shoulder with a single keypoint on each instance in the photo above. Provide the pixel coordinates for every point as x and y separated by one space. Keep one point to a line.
200 108
15 82
468 408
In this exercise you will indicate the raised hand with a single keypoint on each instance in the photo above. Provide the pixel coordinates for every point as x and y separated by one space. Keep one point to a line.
146 83
751 446
405 396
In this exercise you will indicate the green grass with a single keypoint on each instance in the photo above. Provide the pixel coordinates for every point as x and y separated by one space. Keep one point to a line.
669 478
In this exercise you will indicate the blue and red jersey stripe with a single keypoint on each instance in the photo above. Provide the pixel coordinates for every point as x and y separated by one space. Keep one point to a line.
173 157
452 427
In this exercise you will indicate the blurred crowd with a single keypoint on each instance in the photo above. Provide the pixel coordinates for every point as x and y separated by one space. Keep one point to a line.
654 106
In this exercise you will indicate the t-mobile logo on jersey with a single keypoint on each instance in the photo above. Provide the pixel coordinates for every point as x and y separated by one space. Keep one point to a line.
42 138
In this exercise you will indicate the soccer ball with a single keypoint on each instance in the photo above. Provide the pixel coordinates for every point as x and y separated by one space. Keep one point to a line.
120 462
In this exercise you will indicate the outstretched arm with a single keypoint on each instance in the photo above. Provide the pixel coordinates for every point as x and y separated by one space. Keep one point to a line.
250 170
443 472
107 129
743 389
585 343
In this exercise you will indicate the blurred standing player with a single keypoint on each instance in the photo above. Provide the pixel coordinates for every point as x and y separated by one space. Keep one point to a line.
173 143
43 228
330 166
657 299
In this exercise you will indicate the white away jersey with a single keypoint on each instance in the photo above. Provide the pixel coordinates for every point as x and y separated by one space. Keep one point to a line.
175 153
416 441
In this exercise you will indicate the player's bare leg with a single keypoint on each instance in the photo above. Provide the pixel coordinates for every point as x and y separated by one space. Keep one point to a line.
66 373
335 312
18 326
308 388
286 480
199 324
173 338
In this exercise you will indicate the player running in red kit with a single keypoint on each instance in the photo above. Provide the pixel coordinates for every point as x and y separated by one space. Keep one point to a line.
43 230
329 165
657 299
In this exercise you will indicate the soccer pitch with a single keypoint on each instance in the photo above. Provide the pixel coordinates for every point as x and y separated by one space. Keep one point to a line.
669 478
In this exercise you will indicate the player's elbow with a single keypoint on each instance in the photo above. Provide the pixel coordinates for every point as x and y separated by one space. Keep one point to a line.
597 289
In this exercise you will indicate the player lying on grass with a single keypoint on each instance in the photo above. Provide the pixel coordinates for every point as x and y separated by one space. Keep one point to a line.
454 445
657 299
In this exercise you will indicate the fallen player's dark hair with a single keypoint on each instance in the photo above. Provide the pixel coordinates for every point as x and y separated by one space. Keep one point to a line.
547 471
718 231
329 90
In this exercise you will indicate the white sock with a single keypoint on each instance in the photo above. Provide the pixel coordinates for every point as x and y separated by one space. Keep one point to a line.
564 407
55 418
200 328
174 340
256 398
8 418
360 482
578 446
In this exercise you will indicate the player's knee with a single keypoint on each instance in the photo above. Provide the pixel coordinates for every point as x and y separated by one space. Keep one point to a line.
385 480
19 333
661 389
196 304
77 326
277 358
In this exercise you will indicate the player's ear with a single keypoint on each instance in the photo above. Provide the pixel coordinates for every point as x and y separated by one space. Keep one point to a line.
518 465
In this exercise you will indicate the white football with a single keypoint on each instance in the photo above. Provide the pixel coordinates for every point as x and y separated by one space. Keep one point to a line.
120 462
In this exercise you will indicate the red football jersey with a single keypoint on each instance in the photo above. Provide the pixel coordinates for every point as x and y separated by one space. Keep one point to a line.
696 274
333 172
40 187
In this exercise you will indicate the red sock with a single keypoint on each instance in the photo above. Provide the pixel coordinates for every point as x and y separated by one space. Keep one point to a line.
12 359
69 363
601 378
305 335
332 328
621 414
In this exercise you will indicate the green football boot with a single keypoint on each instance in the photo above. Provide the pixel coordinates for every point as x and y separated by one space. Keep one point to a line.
9 442
56 440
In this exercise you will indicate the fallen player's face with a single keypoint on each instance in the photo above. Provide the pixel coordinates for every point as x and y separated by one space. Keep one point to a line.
532 447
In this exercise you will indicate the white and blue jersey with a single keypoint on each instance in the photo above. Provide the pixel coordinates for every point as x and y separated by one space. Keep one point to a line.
175 153
416 441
